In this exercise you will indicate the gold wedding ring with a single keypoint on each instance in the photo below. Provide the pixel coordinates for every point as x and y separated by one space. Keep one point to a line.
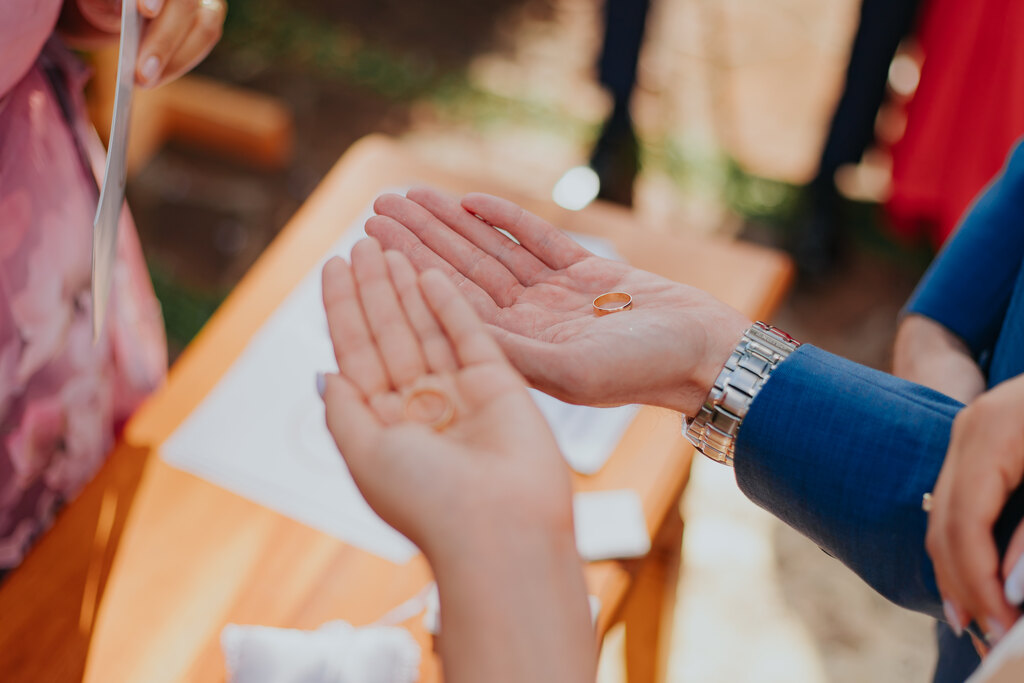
213 5
445 414
926 502
612 302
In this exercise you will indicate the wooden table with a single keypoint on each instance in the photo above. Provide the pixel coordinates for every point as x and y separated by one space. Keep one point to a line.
143 569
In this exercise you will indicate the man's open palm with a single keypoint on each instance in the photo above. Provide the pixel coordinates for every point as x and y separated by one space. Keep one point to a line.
536 292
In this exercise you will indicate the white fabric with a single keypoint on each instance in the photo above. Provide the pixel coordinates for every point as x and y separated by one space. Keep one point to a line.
261 433
334 653
610 525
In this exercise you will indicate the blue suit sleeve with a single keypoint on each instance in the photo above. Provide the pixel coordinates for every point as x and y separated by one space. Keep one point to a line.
843 454
968 286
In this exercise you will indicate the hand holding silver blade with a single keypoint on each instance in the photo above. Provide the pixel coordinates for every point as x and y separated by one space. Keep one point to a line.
111 201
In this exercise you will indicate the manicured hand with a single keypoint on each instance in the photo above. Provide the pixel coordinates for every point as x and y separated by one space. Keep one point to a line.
984 465
177 36
537 297
485 495
394 332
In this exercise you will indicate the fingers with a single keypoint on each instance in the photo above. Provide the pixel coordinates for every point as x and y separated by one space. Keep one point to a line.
967 500
530 357
394 236
163 36
437 351
967 571
473 345
150 9
543 240
358 359
206 31
468 259
179 35
523 265
396 342
350 420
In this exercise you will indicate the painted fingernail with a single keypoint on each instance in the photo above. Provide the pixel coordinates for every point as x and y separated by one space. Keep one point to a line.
321 384
952 617
150 69
994 631
1013 589
153 6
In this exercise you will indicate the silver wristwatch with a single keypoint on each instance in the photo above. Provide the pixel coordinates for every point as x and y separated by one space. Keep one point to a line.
713 430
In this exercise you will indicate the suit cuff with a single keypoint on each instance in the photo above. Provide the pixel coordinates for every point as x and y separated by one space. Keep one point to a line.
843 454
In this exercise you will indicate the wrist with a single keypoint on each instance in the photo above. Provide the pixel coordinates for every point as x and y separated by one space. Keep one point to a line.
927 353
497 532
719 336
480 560
714 428
514 608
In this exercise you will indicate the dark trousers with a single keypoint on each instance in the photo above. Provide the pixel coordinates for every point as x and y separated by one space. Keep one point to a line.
883 24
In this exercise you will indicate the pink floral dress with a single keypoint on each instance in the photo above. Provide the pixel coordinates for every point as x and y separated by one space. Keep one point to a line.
62 399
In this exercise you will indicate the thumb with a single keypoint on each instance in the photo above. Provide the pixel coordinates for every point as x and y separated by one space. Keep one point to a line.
527 355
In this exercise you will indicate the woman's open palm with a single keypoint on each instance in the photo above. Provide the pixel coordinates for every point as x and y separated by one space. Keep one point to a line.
411 352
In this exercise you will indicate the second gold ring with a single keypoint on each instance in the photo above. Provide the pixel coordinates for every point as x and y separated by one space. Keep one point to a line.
416 406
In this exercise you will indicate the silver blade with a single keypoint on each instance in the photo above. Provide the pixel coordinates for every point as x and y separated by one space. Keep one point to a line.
108 211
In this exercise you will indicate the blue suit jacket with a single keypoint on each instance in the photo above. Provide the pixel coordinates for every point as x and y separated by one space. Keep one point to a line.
844 453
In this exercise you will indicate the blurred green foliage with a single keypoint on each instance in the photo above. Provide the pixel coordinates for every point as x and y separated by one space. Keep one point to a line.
272 32
763 199
185 309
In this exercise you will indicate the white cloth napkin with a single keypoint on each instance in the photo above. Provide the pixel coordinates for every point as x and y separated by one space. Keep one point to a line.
334 653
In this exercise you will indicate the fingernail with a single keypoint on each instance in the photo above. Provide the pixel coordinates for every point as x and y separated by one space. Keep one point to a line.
153 6
150 69
952 617
321 384
995 631
1013 589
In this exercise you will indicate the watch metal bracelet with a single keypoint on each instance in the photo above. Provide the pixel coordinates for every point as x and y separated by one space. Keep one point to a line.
713 430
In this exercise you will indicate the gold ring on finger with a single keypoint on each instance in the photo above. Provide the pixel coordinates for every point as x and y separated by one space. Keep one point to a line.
612 302
212 5
416 407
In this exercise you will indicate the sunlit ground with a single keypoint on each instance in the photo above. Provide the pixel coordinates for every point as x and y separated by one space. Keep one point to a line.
757 602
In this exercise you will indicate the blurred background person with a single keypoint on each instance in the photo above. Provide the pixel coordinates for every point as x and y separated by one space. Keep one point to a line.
616 154
63 398
883 24
961 118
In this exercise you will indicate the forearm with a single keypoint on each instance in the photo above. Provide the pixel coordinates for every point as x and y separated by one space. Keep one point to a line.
514 608
843 454
927 353
968 286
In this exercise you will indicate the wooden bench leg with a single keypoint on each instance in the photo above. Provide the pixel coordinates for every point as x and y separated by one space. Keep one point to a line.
648 611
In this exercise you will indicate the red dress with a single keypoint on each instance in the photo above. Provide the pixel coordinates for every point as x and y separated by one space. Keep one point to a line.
965 116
